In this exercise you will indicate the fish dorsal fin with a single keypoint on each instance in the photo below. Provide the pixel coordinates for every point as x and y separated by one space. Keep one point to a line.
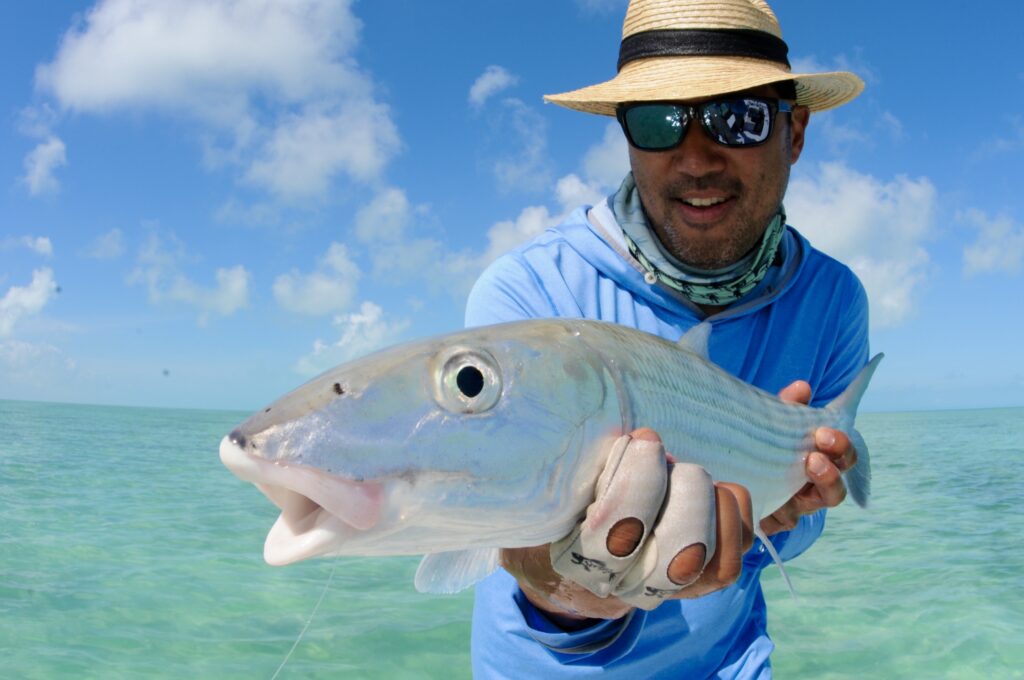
450 572
696 340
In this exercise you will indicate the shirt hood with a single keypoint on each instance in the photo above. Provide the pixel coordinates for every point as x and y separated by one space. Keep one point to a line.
602 244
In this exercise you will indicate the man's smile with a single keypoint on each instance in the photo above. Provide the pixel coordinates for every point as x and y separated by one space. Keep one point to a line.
703 202
701 211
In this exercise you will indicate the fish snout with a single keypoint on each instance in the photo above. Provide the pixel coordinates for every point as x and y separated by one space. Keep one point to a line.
319 511
237 438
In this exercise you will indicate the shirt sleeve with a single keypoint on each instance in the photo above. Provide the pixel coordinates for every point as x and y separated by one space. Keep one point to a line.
508 290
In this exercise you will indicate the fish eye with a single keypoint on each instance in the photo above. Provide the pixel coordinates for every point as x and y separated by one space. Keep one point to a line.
466 380
470 380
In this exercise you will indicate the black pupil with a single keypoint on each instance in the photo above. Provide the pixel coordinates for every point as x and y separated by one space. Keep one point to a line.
470 381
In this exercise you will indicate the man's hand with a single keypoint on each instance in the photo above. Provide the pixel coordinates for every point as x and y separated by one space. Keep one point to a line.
824 468
570 605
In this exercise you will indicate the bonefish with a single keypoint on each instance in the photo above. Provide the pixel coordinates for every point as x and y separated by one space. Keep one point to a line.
494 437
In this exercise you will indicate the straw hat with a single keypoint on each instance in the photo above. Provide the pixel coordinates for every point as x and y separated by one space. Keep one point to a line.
691 49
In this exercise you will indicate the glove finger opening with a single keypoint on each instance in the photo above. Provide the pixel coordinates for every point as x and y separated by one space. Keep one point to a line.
685 531
629 493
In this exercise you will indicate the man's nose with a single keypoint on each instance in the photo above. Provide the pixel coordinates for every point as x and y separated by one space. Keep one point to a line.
698 155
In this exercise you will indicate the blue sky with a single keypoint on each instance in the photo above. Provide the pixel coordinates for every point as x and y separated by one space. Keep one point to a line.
205 202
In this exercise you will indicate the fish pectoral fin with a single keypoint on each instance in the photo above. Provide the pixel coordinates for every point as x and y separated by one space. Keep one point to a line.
450 572
770 547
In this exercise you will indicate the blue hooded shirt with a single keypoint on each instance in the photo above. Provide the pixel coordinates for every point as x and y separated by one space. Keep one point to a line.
806 320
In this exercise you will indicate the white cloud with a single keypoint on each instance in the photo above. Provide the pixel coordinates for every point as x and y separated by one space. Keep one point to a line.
507 234
156 263
387 226
604 166
841 139
840 62
36 370
108 246
37 121
328 290
40 165
41 245
306 151
273 84
893 125
570 193
607 162
256 214
209 57
20 359
401 253
878 228
999 246
838 138
158 268
493 80
808 64
892 284
22 301
390 226
362 332
1011 140
384 218
527 168
230 293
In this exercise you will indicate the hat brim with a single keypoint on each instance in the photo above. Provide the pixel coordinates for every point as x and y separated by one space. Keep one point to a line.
684 78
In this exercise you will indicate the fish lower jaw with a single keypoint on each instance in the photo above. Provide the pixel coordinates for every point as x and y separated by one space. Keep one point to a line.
319 511
302 530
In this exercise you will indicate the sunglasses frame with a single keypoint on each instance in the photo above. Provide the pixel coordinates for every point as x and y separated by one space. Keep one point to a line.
697 111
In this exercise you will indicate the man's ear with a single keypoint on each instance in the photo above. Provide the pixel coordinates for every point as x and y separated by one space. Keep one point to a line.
798 121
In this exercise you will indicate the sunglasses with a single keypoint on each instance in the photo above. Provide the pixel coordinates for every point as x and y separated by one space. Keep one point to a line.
660 126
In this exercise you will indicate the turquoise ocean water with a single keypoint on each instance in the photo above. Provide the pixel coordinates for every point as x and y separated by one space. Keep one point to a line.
127 551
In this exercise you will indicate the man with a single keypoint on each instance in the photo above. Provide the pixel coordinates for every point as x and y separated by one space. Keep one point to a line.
714 118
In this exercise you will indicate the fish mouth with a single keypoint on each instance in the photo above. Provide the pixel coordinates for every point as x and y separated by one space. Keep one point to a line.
319 511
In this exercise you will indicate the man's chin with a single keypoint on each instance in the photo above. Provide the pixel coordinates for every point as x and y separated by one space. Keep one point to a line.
707 247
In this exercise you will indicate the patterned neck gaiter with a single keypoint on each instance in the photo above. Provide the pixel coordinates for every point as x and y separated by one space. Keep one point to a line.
715 287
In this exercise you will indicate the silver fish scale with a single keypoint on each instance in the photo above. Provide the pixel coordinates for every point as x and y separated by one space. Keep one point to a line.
737 432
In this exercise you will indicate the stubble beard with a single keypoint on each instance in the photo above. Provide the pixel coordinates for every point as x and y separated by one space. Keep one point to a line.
747 224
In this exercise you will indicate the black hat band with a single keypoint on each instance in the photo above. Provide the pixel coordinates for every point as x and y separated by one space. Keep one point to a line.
691 42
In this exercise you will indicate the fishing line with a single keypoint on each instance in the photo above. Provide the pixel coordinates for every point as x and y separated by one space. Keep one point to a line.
309 620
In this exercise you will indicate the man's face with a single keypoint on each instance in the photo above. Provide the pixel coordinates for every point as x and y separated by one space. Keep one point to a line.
710 204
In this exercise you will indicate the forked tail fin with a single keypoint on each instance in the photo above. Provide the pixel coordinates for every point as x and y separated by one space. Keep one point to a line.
858 478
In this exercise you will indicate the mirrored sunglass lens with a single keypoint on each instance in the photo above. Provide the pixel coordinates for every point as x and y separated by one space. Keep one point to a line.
655 126
738 121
